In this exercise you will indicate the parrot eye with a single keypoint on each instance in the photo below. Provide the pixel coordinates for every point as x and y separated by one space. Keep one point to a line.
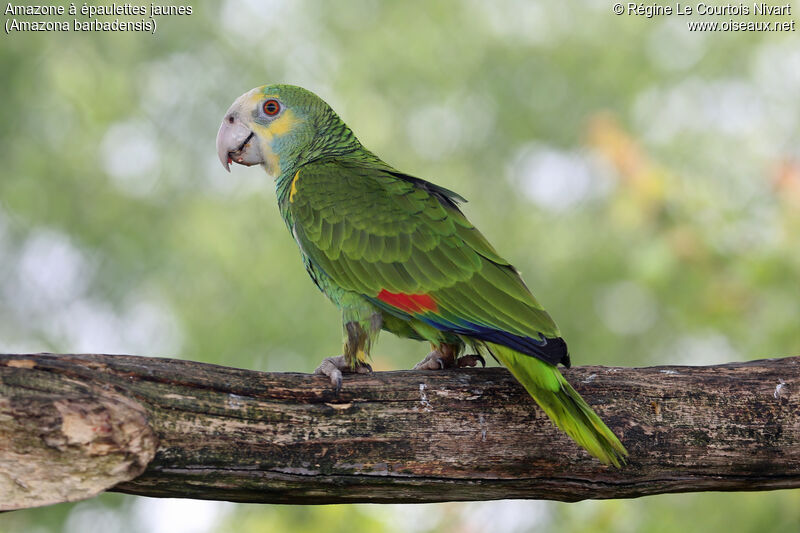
271 107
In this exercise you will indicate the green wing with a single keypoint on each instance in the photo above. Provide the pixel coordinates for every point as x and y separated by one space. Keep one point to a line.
404 244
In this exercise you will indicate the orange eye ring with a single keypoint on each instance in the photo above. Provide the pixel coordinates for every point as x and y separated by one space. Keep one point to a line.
272 107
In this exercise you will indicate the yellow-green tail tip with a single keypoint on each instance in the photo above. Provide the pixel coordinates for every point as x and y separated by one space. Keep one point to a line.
563 405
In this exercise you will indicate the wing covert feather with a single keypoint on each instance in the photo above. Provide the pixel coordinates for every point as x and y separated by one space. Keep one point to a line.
369 231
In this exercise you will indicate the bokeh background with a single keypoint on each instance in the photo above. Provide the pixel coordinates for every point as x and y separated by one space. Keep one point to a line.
644 179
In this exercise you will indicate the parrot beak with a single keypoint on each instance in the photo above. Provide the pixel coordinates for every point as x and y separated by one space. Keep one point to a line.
237 143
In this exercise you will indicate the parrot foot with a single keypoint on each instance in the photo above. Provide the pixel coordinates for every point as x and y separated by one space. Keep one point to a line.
445 357
434 361
471 360
334 367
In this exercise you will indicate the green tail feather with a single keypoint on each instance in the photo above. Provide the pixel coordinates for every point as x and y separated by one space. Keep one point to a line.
563 404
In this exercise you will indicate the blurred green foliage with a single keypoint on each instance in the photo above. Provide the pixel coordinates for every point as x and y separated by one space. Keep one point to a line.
644 179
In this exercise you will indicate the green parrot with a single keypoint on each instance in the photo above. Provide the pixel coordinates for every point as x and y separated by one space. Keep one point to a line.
395 252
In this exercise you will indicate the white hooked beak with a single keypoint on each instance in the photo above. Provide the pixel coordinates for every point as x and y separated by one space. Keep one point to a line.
236 143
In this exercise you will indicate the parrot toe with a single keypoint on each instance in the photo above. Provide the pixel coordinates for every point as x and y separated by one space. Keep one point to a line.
445 356
471 360
333 367
440 358
433 361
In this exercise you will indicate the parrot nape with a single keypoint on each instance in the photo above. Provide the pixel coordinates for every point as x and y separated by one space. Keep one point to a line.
395 252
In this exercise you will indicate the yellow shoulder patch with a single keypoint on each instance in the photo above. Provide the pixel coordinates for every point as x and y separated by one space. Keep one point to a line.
293 189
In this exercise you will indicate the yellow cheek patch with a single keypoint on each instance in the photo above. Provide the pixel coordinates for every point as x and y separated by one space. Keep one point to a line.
284 123
293 189
269 132
262 132
278 127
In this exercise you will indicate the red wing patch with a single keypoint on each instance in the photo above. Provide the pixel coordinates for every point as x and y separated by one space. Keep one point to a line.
410 303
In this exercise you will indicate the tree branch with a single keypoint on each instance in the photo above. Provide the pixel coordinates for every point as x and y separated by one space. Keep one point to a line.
72 426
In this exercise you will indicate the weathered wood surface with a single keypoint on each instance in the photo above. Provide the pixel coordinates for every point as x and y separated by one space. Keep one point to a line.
74 425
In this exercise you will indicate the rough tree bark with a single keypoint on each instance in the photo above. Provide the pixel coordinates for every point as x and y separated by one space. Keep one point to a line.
72 426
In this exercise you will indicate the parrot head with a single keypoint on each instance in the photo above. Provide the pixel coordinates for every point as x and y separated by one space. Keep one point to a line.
279 127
